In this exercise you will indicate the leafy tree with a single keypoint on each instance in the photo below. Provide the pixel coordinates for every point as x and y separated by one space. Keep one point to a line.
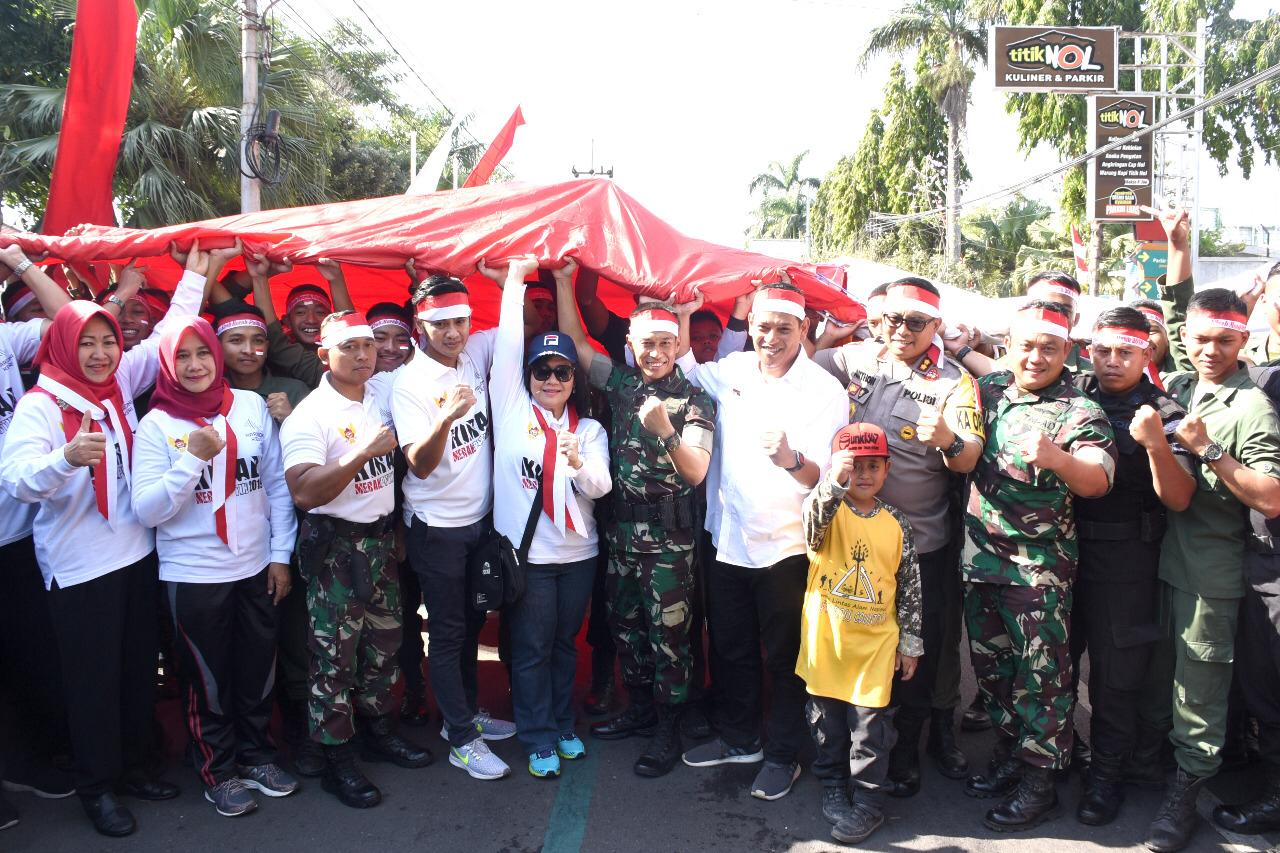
179 155
994 236
951 38
783 210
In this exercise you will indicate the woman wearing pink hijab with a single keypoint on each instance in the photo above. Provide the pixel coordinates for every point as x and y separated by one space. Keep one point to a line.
207 474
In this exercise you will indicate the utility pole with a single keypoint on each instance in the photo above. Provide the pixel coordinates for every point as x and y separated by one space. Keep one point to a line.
250 188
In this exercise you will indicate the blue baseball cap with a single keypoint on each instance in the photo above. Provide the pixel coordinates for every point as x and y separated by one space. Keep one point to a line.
552 343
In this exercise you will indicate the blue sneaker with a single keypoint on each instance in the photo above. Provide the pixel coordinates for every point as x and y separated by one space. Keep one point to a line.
544 764
570 747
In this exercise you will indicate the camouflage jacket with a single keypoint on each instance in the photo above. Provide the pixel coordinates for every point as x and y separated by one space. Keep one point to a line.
642 471
1020 520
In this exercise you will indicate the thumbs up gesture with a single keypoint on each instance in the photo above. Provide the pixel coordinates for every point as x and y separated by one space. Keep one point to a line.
205 443
87 448
933 429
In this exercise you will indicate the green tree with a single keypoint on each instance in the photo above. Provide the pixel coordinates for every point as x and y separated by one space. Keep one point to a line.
784 204
179 155
994 236
952 40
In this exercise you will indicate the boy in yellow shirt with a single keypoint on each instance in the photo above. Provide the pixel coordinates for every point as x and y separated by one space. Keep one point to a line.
860 625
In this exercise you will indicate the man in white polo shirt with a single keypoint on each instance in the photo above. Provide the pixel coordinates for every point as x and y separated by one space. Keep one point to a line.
338 463
440 404
776 413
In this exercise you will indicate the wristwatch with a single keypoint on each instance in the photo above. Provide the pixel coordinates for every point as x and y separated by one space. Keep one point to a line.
955 448
799 463
1212 453
671 442
22 267
962 352
116 301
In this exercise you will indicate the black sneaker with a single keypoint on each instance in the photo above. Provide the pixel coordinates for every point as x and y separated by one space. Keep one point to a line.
231 798
774 780
715 752
46 782
857 827
269 779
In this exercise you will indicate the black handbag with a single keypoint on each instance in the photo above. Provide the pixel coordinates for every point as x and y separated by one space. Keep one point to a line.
496 573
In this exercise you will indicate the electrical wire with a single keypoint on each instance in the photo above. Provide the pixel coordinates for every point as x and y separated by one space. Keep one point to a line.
1225 96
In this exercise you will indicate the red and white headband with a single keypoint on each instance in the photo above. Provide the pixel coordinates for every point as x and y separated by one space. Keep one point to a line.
1154 315
908 297
239 321
1233 320
305 296
652 321
1121 336
1048 289
390 321
1039 321
446 306
21 302
875 304
348 327
779 300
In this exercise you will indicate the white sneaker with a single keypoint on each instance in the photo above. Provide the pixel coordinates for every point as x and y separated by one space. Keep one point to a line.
489 727
477 760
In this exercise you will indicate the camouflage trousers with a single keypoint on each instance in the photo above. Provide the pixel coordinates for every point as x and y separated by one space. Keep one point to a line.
649 610
1019 645
353 643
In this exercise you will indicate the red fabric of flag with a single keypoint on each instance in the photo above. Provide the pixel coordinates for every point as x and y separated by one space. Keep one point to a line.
93 114
497 149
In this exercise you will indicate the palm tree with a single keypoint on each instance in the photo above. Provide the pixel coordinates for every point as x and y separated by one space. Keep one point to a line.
179 155
952 38
784 209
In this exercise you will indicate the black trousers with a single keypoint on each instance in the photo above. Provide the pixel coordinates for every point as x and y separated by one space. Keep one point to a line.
106 633
294 660
914 698
853 744
29 663
412 650
439 558
748 609
1258 654
604 653
225 634
1115 617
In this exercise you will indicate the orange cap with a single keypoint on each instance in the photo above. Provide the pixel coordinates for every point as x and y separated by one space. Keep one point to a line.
863 439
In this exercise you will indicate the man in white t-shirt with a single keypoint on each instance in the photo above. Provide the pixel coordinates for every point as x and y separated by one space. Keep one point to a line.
776 413
440 404
338 463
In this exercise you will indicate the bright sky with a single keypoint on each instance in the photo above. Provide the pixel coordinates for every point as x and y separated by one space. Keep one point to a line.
689 99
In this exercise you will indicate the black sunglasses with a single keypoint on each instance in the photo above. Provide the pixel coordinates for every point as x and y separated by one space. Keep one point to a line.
915 324
563 372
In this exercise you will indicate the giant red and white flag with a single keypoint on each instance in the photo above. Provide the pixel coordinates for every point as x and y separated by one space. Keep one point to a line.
497 149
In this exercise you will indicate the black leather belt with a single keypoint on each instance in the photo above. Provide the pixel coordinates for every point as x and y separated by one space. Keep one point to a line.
356 529
1148 527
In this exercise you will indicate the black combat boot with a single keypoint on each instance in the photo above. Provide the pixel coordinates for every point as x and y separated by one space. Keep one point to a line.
1256 817
308 757
665 748
904 758
381 743
1034 801
345 781
975 717
1103 790
1176 818
836 802
1002 776
1081 754
1151 761
640 718
942 744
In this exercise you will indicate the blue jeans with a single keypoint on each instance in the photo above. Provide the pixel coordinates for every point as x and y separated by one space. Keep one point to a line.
544 657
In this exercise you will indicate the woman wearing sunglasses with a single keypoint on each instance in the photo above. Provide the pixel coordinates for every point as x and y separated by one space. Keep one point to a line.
545 451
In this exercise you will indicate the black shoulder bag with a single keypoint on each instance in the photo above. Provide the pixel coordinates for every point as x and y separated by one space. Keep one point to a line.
496 572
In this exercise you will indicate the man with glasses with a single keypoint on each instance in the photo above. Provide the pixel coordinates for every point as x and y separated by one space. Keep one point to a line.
928 406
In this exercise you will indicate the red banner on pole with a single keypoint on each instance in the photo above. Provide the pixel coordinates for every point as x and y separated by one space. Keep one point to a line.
495 152
93 115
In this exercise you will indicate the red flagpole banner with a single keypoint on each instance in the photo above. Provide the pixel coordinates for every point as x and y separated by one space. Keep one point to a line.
592 220
495 152
93 115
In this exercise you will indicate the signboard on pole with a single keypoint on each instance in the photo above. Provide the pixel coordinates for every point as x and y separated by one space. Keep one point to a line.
1121 180
1055 59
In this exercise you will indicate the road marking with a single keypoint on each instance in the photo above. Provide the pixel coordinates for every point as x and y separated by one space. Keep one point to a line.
567 825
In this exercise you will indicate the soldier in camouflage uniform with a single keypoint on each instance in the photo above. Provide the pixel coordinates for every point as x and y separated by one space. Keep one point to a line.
1045 442
661 437
338 463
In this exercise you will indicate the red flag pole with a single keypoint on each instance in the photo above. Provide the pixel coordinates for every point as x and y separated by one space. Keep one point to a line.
495 152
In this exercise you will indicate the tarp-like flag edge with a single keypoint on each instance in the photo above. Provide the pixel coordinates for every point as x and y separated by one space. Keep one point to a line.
592 220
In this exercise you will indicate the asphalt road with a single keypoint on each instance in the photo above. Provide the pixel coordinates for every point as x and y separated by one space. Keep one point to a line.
598 805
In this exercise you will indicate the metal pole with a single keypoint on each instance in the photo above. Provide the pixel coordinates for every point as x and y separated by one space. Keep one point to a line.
455 170
413 155
1197 138
250 188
